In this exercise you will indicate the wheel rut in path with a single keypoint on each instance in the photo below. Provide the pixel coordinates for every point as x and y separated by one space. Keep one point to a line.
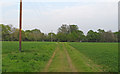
69 60
60 61
50 61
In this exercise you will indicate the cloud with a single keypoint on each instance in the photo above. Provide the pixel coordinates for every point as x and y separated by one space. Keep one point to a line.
86 16
83 12
7 4
71 0
60 0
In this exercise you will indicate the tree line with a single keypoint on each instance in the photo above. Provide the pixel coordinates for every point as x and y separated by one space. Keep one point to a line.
66 33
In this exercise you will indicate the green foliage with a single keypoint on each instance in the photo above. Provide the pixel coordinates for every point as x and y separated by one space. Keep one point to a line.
109 37
63 29
52 37
6 30
62 37
33 35
66 33
92 36
73 28
69 33
103 54
33 59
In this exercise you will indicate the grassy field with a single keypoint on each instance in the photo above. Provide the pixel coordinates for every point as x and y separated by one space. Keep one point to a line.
103 54
33 59
59 57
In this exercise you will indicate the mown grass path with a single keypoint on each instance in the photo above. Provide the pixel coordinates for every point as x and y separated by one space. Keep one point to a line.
67 59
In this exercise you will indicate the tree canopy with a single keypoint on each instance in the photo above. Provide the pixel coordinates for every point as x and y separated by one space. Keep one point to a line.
66 33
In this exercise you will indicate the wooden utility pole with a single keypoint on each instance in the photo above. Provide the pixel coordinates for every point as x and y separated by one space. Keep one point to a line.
20 25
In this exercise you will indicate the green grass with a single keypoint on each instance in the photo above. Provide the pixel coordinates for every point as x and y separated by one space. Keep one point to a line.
84 56
59 63
83 64
33 59
103 54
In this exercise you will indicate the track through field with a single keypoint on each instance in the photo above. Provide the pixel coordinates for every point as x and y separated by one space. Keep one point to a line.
59 57
67 59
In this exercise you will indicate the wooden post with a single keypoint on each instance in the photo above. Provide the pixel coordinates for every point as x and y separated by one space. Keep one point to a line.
20 25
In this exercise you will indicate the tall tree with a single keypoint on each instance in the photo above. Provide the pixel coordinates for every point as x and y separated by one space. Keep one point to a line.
73 28
109 37
6 30
92 36
52 36
63 29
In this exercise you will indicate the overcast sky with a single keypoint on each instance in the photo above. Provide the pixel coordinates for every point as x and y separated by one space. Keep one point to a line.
48 15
